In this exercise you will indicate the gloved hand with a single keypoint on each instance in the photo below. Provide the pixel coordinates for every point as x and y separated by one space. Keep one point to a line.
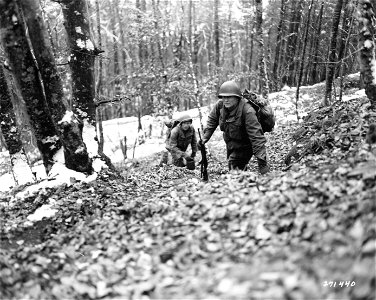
193 154
263 166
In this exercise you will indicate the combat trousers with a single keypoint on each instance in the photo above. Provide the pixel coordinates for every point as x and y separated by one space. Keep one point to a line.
239 158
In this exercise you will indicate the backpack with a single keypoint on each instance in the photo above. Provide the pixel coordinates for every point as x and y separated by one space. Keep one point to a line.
171 124
264 111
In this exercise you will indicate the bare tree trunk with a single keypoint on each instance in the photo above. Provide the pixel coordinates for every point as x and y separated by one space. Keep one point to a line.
82 56
11 133
314 75
230 33
330 70
31 59
99 86
216 33
277 57
24 66
260 38
344 51
302 58
367 41
8 122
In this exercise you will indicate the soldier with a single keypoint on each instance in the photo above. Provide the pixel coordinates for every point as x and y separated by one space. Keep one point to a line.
242 131
181 137
171 124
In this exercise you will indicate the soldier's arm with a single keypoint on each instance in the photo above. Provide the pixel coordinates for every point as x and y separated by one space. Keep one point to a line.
212 123
174 144
255 134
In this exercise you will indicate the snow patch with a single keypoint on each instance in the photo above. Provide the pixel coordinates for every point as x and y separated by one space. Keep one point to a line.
356 95
14 19
368 44
80 44
373 68
45 211
67 117
84 44
50 139
79 30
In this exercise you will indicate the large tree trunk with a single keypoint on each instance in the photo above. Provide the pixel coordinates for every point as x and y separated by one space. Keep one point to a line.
367 21
26 72
330 70
11 132
8 123
32 61
81 57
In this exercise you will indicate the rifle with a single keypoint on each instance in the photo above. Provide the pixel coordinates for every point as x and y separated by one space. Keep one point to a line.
204 160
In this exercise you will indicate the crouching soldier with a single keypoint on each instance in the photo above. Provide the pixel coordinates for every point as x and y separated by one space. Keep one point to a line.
181 137
170 124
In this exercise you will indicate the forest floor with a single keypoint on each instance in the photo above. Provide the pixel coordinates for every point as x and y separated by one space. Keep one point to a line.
303 231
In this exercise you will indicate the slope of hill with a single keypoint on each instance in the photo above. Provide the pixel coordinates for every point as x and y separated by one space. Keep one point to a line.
303 231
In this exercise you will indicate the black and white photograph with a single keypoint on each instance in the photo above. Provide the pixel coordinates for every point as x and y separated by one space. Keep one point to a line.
188 149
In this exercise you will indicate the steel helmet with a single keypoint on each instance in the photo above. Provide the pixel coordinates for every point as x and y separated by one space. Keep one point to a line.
229 88
185 118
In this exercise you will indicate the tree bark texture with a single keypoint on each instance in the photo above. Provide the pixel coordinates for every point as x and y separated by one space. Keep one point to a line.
75 151
277 58
314 72
260 38
367 40
41 87
302 58
26 71
82 56
330 70
8 121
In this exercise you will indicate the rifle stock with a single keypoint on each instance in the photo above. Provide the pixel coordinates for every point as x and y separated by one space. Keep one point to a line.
204 160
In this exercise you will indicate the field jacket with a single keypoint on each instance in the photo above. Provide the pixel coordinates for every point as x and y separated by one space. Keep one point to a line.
240 126
180 140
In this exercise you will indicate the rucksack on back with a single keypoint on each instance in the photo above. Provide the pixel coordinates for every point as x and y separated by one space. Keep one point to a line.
264 111
171 124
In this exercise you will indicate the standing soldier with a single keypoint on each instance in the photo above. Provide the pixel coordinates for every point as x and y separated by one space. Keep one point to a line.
181 137
242 131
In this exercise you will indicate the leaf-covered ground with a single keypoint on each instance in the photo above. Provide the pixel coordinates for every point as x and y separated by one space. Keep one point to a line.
304 231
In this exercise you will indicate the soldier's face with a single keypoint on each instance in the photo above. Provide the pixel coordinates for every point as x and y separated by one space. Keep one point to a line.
230 101
185 125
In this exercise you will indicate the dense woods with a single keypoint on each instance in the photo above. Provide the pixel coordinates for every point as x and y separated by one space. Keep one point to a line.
115 58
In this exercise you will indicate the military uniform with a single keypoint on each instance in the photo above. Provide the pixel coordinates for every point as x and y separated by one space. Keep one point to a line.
242 131
179 142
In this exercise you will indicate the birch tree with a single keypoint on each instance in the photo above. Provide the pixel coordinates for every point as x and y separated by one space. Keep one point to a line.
260 38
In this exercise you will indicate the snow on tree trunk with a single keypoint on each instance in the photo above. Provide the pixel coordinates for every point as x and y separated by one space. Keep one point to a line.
24 66
8 124
367 22
20 167
75 151
82 56
42 88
